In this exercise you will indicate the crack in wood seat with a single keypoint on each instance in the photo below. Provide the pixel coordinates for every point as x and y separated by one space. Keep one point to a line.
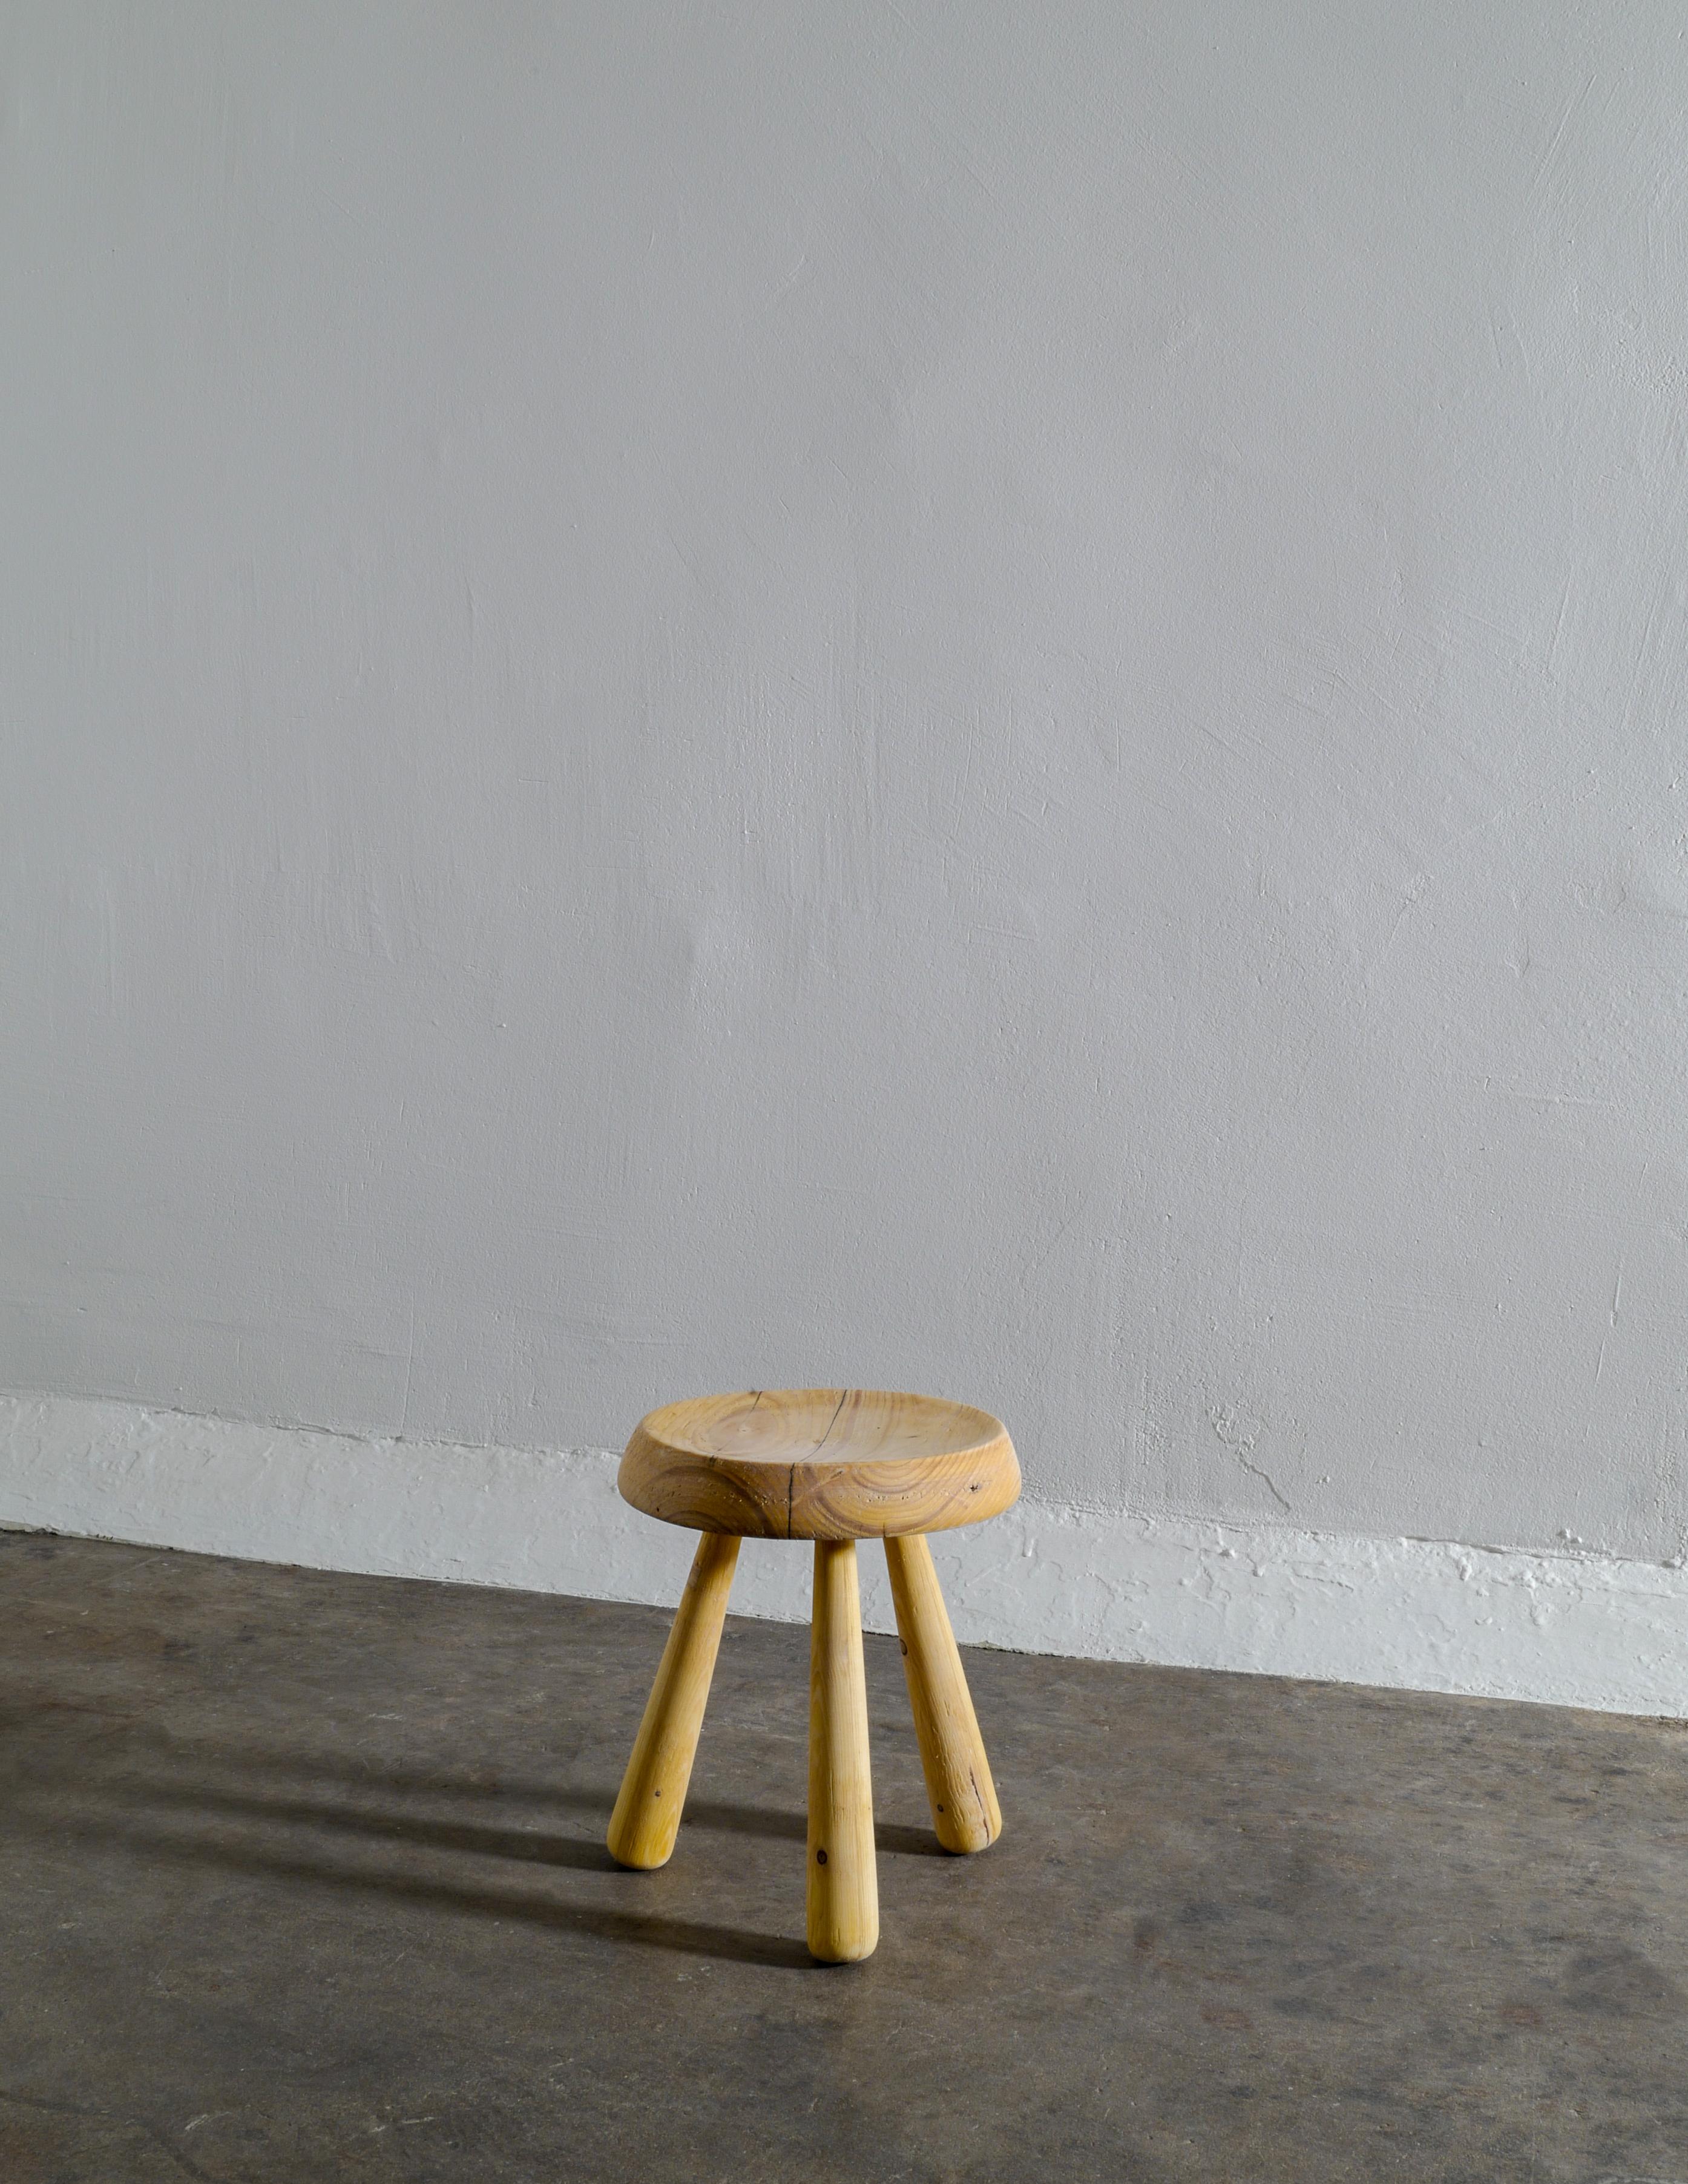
820 1464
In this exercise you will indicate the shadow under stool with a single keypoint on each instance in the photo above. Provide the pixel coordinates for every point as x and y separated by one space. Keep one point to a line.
833 1465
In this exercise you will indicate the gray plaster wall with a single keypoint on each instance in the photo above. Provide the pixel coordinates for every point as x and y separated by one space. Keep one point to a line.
974 697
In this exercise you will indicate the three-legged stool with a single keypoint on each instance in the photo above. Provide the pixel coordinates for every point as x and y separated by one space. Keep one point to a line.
833 1465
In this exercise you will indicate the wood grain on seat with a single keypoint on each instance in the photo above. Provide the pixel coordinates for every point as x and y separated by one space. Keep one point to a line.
820 1464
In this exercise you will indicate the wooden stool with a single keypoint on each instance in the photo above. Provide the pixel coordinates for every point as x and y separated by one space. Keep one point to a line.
833 1465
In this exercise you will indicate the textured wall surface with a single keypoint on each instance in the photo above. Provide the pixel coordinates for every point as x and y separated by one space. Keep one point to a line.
972 697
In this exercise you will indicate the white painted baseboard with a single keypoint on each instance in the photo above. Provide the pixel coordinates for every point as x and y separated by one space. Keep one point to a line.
1046 1578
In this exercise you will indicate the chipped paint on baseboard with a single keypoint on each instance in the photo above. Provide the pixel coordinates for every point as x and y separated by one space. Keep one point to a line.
1575 1629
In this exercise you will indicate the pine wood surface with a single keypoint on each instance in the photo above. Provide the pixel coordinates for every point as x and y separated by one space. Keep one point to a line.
820 1464
844 1882
964 1812
653 1794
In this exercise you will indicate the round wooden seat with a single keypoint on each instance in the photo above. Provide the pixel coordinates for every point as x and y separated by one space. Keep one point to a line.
820 1464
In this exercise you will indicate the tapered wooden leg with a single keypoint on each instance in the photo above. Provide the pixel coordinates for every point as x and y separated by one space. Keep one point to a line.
844 1882
958 1784
647 1815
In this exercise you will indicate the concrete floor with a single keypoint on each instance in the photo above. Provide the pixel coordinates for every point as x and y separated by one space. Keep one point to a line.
301 1877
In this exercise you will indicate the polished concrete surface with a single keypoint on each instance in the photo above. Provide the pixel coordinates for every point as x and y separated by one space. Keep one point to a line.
301 1877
